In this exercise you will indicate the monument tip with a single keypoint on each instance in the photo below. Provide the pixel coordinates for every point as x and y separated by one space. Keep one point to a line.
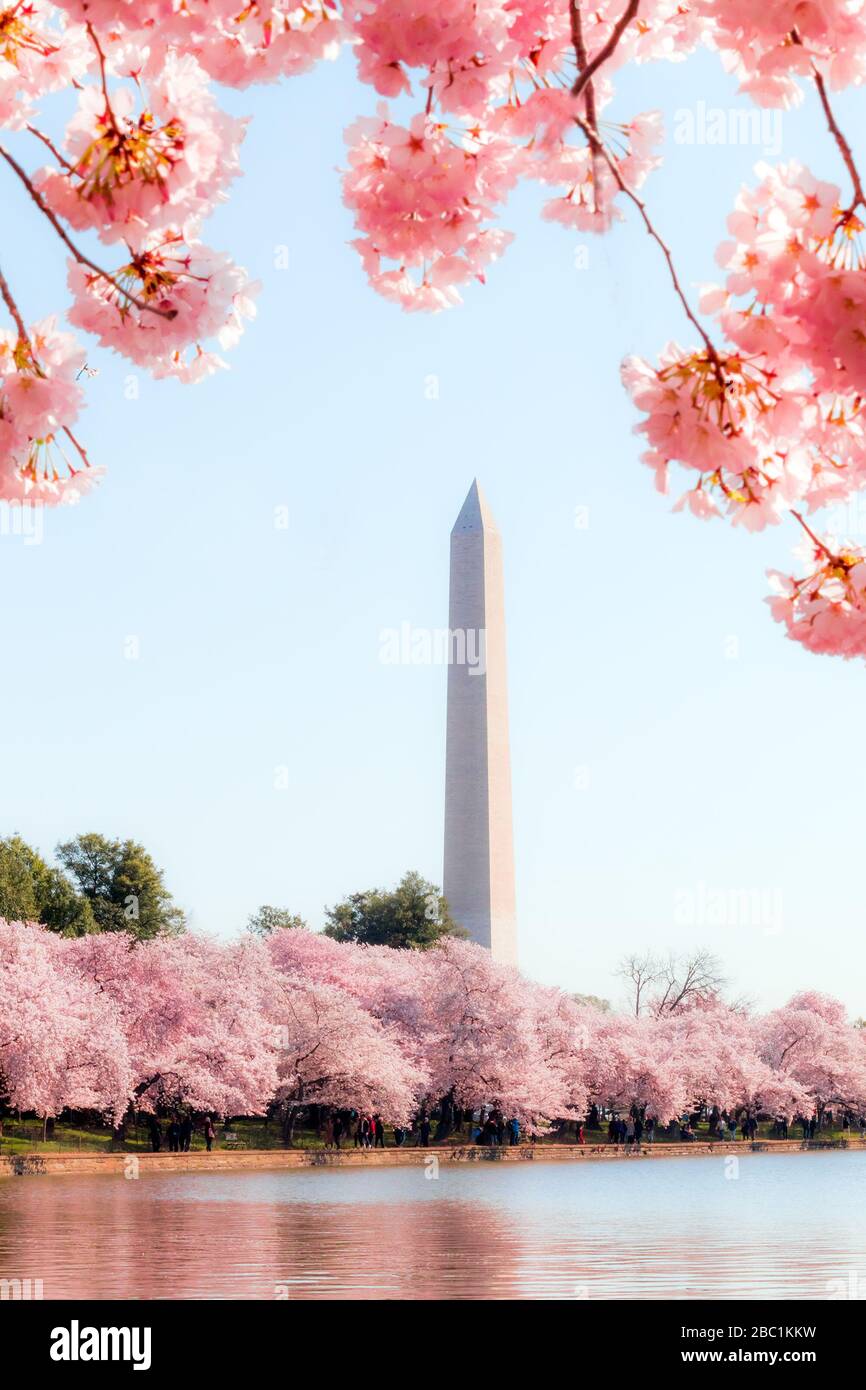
475 514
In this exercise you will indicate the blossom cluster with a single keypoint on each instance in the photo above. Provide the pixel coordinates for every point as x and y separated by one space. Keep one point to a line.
765 412
297 1019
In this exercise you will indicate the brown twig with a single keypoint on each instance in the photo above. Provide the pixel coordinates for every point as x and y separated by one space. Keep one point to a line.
579 45
13 309
40 135
844 147
664 248
78 447
79 255
102 76
604 53
835 130
811 534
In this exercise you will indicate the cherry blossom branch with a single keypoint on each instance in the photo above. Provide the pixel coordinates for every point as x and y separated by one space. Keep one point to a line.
835 130
40 135
102 77
79 447
13 308
580 54
604 53
579 45
844 147
690 314
811 534
79 255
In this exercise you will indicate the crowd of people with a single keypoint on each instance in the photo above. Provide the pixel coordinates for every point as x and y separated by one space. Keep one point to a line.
489 1126
178 1135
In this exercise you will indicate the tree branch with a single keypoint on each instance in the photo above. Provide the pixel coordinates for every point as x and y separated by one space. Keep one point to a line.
13 309
844 147
40 135
580 54
811 534
604 53
611 163
79 255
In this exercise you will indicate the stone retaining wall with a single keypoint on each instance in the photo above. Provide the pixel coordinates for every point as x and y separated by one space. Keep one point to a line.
251 1160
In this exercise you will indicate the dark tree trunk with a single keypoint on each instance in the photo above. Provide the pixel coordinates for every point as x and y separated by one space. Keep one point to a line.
289 1119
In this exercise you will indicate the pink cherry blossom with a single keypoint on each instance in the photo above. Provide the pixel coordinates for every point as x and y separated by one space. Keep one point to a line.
134 173
61 1040
826 609
730 420
40 396
772 65
39 54
421 199
198 293
465 44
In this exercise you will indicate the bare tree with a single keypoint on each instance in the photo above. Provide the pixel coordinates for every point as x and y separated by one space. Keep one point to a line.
641 973
687 980
666 985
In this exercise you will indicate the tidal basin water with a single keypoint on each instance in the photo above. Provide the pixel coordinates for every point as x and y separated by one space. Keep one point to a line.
785 1226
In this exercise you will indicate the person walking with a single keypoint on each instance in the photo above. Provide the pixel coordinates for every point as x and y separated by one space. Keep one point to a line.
338 1130
379 1137
209 1133
185 1133
424 1129
174 1135
155 1134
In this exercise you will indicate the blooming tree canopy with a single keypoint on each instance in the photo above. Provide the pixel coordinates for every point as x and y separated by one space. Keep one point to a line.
761 412
62 1042
101 1023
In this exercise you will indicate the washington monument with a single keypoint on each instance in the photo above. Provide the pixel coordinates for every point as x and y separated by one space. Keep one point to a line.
479 848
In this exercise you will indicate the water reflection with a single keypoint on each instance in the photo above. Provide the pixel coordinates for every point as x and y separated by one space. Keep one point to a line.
786 1226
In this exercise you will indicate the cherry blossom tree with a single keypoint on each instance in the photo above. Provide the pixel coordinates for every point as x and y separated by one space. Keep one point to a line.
192 1015
810 1043
103 1022
332 1052
62 1042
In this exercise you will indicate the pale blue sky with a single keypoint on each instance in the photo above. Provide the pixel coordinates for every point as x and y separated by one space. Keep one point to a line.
259 647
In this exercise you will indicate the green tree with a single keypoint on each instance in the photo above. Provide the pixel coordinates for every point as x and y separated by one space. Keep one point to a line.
593 1001
33 890
17 890
412 916
123 886
267 920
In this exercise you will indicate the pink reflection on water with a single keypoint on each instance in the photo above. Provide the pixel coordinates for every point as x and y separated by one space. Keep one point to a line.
666 1230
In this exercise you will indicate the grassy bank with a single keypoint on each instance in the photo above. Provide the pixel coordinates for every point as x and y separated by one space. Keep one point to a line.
24 1135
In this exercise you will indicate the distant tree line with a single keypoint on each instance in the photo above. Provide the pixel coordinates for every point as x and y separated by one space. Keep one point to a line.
98 885
412 916
104 885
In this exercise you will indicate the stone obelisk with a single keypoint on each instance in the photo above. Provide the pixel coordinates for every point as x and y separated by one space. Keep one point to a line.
479 847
